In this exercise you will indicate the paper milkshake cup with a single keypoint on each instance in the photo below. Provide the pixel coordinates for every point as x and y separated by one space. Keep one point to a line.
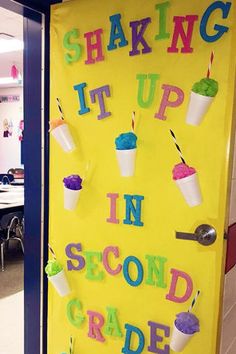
71 198
60 283
126 161
179 339
190 188
197 108
63 137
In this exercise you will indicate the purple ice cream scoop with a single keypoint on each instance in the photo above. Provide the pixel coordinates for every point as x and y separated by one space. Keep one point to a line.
73 182
187 322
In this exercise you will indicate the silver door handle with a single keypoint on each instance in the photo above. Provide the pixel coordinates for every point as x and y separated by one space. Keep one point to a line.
204 234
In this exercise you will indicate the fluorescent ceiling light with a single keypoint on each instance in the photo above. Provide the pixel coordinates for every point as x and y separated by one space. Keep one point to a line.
9 80
10 45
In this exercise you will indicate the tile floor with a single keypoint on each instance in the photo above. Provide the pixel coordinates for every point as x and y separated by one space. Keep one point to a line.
12 303
12 324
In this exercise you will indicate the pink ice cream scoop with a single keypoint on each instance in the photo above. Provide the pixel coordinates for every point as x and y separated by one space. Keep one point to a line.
182 170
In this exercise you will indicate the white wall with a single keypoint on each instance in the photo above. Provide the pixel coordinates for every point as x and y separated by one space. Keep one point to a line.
10 148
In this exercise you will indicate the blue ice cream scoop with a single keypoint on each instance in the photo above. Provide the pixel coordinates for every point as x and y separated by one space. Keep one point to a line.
126 141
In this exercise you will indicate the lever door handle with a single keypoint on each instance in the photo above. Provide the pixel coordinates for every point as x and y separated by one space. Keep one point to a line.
204 234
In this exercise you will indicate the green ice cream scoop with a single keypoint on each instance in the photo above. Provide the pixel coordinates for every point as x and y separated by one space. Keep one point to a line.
206 87
53 267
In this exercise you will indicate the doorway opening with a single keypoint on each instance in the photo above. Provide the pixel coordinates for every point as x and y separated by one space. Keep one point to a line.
32 143
11 182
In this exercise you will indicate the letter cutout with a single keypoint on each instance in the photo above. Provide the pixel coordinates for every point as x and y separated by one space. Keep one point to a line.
74 313
150 96
112 327
137 37
92 267
99 92
106 264
72 46
80 90
162 8
130 208
176 274
225 7
154 338
165 102
113 197
97 46
116 33
96 321
70 254
159 272
139 266
127 346
179 31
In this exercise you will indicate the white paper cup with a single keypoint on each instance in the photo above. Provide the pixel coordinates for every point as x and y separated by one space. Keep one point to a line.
63 137
126 161
190 188
71 198
60 283
179 340
197 108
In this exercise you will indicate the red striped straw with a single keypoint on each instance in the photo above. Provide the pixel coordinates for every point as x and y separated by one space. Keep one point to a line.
210 64
52 252
133 121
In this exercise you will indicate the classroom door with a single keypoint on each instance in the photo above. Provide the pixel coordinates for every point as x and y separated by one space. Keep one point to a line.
147 234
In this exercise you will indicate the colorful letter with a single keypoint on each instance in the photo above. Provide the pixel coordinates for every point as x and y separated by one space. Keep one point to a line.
159 272
99 92
112 327
179 31
162 8
139 266
105 258
165 102
150 96
137 37
154 338
116 33
80 89
72 46
220 30
112 219
74 313
96 321
70 254
130 208
176 274
95 46
92 267
127 347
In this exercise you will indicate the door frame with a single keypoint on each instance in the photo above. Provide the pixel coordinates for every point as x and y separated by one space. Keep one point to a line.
36 144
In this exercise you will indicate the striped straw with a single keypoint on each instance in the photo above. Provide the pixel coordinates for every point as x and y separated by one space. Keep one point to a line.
194 301
52 252
210 64
60 109
177 146
133 121
71 345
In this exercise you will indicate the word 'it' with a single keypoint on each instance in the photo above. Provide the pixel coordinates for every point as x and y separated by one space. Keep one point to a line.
132 209
95 95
